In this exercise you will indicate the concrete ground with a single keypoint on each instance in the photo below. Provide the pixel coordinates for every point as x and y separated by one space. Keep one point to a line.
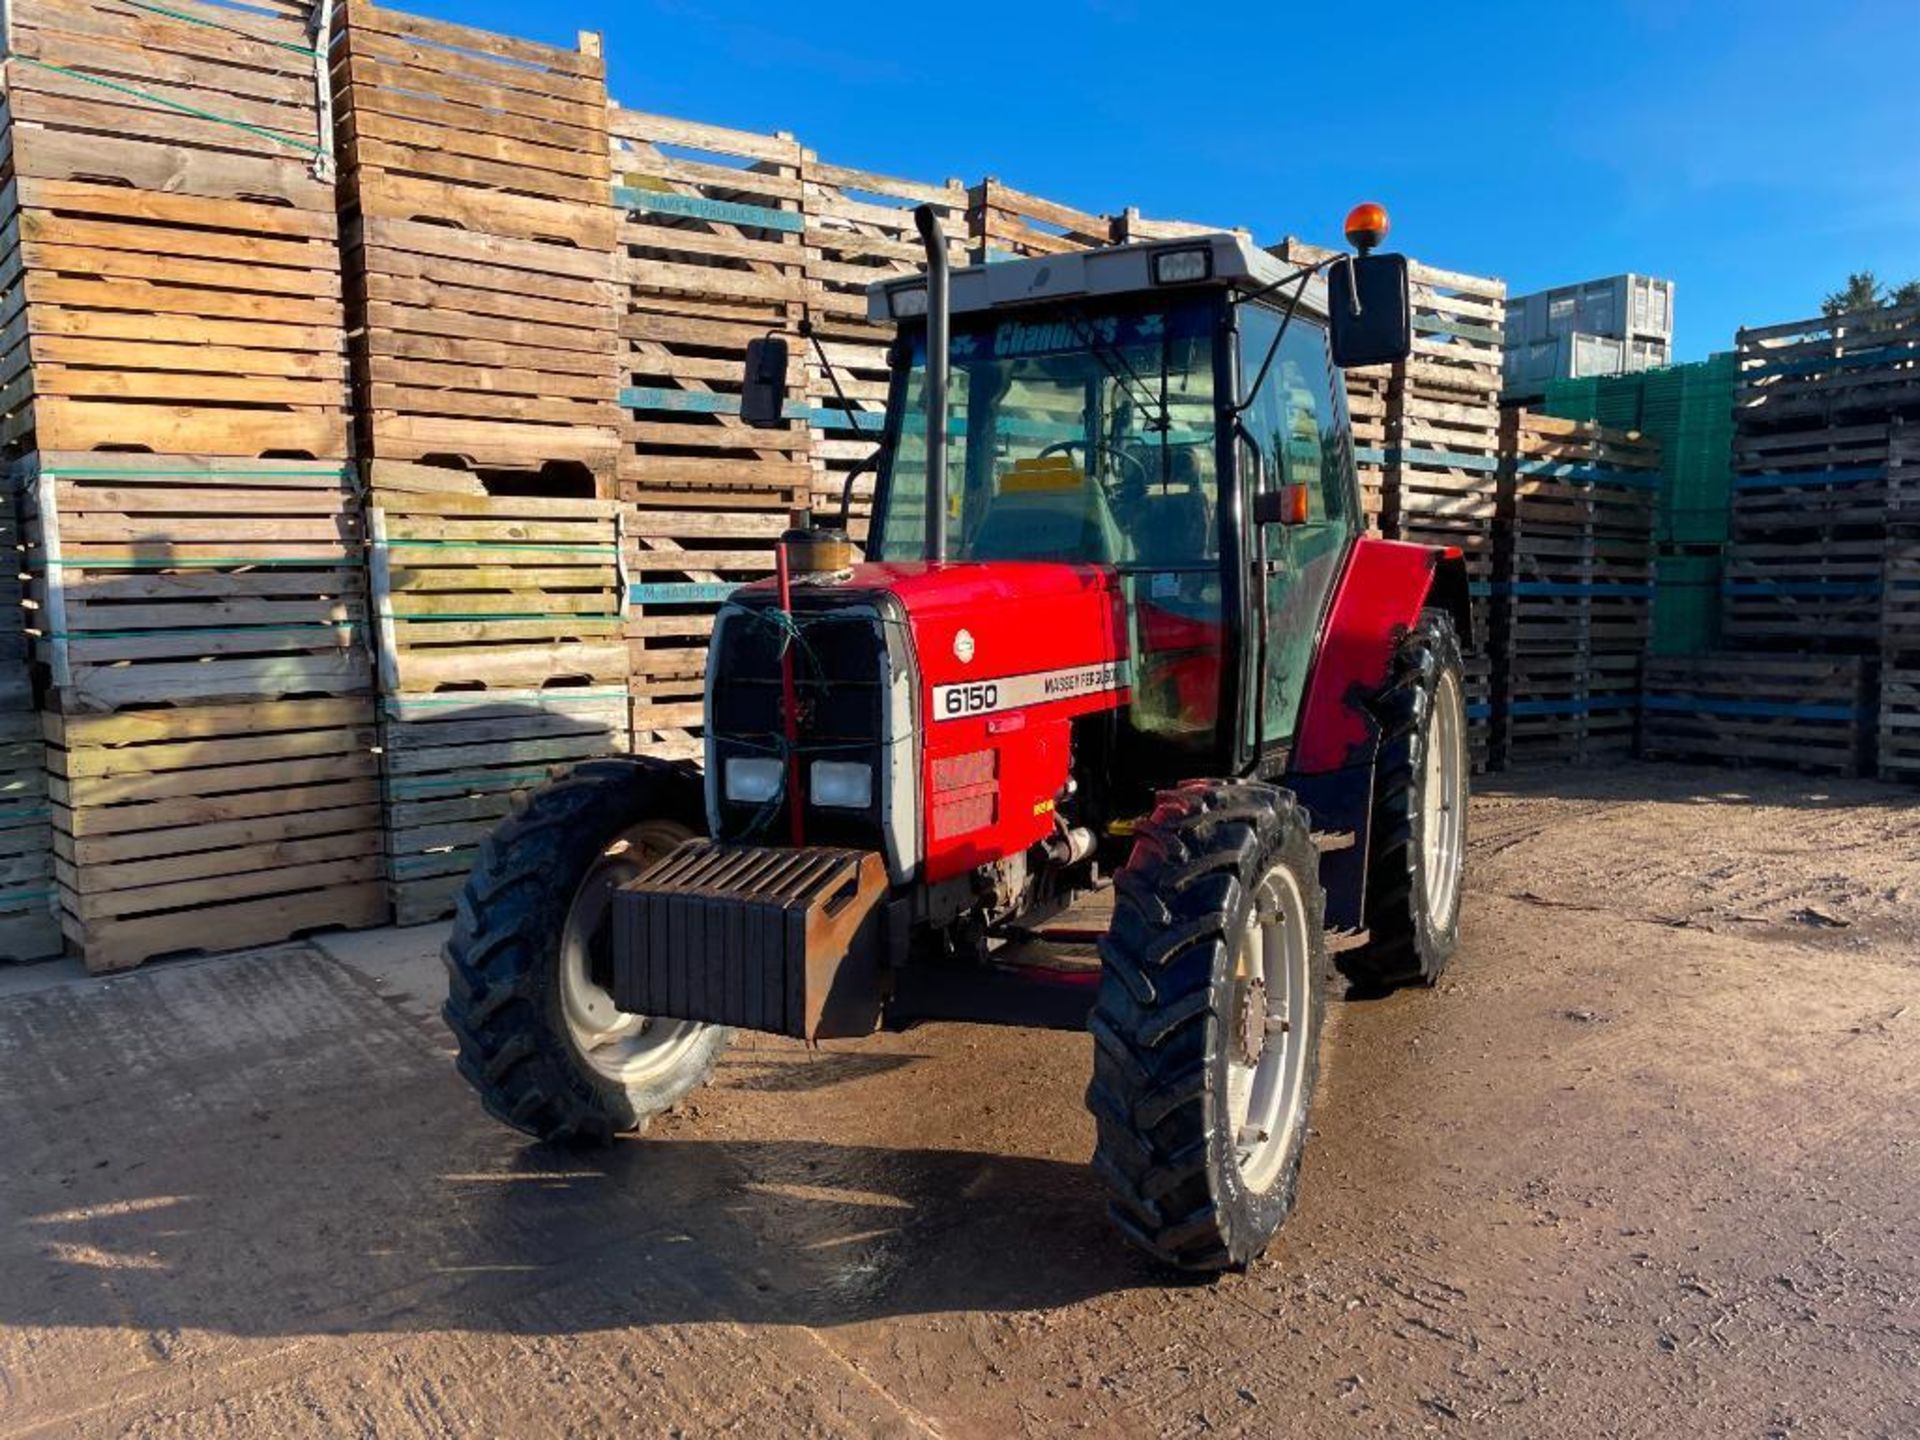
1643 1165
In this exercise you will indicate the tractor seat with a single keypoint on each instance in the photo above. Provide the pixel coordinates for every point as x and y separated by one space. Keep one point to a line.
1048 522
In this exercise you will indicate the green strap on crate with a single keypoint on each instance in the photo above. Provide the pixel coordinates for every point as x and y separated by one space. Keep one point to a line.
303 562
539 546
556 617
201 630
197 113
181 15
87 472
396 706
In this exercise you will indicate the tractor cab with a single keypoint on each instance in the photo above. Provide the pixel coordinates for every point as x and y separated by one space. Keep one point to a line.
1169 413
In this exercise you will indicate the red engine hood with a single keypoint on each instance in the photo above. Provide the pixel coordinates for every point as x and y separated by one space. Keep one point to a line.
931 590
1009 653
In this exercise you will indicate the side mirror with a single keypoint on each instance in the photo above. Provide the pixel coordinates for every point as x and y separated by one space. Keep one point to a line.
763 389
1369 310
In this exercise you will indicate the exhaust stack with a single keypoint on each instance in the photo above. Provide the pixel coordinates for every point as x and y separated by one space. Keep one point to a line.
928 224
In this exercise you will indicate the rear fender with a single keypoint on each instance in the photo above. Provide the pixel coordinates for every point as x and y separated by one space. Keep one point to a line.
1382 590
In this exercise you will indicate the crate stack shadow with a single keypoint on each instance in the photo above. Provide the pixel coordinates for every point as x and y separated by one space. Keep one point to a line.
1900 628
479 231
1573 597
1804 599
29 923
176 419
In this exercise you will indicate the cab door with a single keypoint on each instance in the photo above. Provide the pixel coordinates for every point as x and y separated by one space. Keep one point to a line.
1292 438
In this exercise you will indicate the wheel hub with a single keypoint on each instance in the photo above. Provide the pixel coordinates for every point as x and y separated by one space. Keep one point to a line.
1250 1023
621 1047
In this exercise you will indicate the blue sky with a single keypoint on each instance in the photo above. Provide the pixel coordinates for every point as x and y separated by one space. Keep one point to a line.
1752 152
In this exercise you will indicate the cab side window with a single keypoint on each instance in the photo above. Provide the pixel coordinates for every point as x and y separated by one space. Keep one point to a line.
1292 436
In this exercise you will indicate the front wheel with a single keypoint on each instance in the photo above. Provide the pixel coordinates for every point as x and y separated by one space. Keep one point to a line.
529 967
1207 1027
1417 857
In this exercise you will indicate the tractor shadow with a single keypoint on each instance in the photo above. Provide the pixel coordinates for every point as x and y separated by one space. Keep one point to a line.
302 1160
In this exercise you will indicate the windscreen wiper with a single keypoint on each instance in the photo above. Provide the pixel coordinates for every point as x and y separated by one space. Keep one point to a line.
1159 421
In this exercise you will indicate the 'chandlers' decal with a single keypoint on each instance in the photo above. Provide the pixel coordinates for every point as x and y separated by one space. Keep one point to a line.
1015 692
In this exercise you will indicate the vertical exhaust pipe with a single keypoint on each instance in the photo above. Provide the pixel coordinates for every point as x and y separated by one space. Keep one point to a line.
931 236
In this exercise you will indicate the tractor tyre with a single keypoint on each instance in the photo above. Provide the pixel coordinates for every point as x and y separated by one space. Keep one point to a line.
1207 1026
528 964
1419 827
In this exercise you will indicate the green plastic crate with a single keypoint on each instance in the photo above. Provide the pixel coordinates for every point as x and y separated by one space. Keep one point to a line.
1686 604
1689 409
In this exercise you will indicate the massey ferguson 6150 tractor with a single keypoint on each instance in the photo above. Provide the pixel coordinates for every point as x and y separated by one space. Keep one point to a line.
1117 627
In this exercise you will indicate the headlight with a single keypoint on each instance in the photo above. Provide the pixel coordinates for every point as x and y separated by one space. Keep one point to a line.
908 302
1177 267
841 784
754 781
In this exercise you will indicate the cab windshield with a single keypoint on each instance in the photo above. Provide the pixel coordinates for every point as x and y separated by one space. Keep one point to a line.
1080 433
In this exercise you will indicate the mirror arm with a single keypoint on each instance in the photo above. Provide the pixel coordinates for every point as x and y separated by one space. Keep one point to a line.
846 490
1238 408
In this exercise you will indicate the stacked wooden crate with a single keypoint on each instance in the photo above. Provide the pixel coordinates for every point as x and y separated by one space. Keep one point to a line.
29 927
479 236
213 775
1808 538
712 256
859 229
1809 712
1900 615
1008 224
1814 401
1426 438
172 281
1573 593
502 661
174 372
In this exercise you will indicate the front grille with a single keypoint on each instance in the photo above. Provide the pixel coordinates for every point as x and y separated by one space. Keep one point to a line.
841 673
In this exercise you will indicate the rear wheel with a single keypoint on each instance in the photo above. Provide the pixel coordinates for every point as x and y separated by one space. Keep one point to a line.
1207 1028
529 966
1419 830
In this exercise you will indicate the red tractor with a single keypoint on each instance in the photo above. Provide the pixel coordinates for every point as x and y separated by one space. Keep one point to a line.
1118 626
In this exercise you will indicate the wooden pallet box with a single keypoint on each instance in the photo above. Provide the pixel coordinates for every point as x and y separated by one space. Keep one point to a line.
1899 737
1807 538
859 229
171 273
1827 370
194 98
480 246
712 256
209 827
481 591
1004 223
456 764
171 579
1573 601
1807 712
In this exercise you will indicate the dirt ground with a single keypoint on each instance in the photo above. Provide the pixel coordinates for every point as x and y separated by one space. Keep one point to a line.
1647 1163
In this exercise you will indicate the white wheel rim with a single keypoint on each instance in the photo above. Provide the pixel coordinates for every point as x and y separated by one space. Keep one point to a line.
1271 1008
1443 802
627 1049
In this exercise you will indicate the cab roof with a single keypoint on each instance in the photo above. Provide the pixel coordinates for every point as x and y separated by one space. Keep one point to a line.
1233 261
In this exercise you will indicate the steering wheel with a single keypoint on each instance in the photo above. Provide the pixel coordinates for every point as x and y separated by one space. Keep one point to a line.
1094 447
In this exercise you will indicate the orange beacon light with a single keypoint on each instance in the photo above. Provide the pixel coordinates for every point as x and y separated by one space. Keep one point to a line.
1367 226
